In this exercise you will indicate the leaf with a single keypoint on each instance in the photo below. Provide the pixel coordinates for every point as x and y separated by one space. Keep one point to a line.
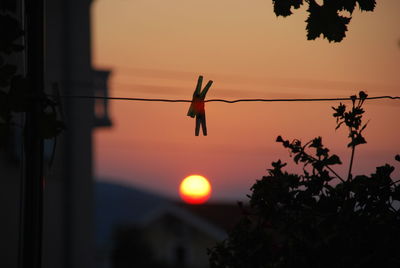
357 140
357 111
297 158
326 21
364 126
316 142
282 7
333 160
348 5
278 164
322 151
363 95
339 111
286 144
338 125
353 98
366 5
384 171
314 29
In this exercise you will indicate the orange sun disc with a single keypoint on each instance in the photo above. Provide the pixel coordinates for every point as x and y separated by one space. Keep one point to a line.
195 189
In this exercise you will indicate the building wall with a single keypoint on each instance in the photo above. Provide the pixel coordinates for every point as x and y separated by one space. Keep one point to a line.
11 176
169 235
68 198
68 214
68 223
10 179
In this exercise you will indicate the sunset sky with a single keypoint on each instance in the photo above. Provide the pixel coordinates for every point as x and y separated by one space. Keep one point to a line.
157 49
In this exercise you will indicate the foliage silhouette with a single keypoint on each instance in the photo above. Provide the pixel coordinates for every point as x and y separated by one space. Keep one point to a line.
306 220
325 19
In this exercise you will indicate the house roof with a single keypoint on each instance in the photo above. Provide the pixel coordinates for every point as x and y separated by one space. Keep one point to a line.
122 205
223 215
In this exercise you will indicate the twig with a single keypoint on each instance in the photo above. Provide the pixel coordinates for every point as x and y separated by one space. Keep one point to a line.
353 148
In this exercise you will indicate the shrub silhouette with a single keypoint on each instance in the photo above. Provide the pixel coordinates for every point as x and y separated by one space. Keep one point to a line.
326 18
306 220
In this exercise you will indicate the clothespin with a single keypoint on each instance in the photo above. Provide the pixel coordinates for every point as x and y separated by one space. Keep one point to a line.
197 109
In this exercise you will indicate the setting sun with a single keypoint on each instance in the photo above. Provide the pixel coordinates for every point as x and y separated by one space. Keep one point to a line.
195 189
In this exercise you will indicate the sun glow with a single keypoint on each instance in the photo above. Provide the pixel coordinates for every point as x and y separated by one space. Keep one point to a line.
195 189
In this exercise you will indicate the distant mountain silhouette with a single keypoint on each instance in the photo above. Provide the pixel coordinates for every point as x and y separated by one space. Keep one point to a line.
119 205
116 204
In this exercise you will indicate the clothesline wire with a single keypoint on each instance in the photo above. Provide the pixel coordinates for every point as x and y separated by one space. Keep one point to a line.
223 100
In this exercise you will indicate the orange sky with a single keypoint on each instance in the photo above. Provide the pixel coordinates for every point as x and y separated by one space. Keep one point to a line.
158 48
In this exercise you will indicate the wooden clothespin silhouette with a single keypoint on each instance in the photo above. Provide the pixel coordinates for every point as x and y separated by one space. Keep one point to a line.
196 108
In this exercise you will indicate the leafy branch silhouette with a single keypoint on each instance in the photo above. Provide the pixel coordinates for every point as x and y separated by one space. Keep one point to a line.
353 120
325 19
314 220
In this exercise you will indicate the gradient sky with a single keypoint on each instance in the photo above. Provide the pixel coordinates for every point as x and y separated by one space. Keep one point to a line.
157 49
